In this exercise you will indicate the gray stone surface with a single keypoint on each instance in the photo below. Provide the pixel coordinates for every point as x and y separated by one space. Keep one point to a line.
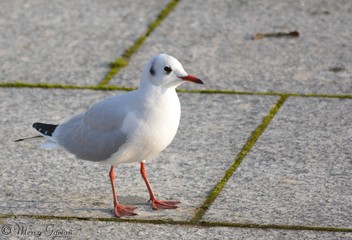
66 229
67 41
213 40
50 182
298 173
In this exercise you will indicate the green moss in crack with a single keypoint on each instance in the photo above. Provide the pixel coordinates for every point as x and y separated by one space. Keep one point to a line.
229 172
123 61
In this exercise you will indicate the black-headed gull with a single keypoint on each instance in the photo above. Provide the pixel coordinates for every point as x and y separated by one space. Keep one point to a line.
130 127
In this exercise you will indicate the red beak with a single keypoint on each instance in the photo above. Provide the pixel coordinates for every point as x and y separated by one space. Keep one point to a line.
191 78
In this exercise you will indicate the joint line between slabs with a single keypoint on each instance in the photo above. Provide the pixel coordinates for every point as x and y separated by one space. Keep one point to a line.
242 154
181 223
207 91
122 61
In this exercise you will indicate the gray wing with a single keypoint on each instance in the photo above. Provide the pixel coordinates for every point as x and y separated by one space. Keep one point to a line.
96 134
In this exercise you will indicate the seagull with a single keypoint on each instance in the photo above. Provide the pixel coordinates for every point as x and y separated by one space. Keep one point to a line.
131 127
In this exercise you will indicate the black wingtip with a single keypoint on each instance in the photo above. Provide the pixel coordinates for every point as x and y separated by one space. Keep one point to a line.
44 128
35 125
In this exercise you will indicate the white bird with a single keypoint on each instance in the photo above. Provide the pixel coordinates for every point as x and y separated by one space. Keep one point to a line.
131 127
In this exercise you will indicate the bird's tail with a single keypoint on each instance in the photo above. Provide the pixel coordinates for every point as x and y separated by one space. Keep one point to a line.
46 130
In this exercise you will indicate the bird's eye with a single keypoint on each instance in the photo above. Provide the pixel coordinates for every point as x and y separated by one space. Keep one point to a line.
167 69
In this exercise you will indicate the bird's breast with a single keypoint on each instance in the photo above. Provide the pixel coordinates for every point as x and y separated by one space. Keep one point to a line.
162 123
150 130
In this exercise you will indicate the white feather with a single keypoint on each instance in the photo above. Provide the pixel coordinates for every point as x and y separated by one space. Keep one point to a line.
130 127
49 145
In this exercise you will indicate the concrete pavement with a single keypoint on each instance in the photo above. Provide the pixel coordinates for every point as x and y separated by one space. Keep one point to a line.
263 150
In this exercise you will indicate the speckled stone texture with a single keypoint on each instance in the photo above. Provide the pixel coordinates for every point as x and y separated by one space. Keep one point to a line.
212 131
213 40
298 173
67 229
68 42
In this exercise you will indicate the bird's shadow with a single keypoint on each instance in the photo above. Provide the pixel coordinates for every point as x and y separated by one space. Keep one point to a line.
133 201
139 202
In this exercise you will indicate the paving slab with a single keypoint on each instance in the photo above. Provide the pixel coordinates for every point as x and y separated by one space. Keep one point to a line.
213 40
68 42
299 171
24 228
50 182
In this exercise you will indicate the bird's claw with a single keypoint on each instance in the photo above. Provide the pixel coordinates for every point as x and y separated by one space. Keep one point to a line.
124 211
163 204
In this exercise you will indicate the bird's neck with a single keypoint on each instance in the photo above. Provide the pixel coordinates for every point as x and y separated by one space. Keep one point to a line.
149 90
159 98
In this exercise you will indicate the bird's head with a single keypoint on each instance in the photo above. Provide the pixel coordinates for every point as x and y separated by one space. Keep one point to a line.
166 71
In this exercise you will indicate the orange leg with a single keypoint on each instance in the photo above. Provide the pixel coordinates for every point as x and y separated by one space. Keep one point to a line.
119 210
163 204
